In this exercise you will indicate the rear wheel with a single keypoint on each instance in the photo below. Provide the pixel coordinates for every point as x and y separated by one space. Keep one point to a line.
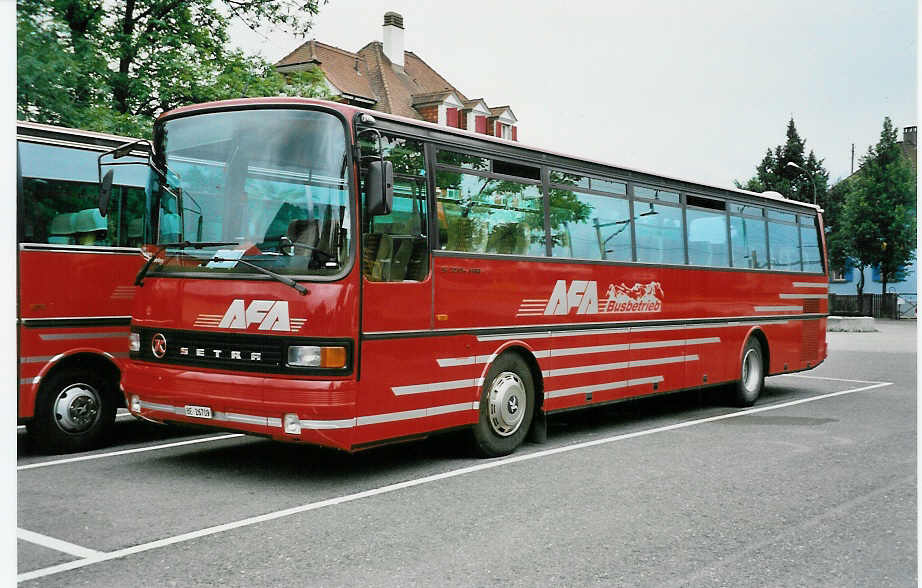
746 391
507 407
74 411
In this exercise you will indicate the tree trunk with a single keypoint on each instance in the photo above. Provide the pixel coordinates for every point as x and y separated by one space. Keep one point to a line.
860 284
120 90
78 16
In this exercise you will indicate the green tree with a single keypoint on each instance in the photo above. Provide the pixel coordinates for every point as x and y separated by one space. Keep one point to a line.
113 66
771 173
879 214
837 241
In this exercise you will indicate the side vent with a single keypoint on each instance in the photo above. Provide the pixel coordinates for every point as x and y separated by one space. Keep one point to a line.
809 347
811 306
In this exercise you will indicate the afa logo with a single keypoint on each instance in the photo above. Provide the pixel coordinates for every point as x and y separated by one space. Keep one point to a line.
582 297
270 315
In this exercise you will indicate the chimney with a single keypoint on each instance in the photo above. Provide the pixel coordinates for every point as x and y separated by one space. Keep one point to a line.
909 135
393 38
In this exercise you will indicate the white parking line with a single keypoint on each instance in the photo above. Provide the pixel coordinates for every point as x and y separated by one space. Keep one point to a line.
826 378
57 544
486 465
45 464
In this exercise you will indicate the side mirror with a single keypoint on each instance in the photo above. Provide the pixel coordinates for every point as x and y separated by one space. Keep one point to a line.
379 188
105 189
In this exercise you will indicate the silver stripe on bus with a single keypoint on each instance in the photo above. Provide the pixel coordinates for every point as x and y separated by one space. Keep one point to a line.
810 284
24 381
413 414
819 296
233 417
673 343
340 424
161 407
778 308
601 387
328 424
479 359
38 358
62 336
605 367
437 386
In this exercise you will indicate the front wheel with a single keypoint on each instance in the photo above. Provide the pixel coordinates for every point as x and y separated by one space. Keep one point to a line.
74 411
507 407
746 391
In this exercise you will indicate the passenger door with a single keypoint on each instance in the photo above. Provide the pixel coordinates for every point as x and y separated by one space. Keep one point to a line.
397 294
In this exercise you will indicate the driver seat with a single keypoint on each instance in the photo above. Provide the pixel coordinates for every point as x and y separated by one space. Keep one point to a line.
304 235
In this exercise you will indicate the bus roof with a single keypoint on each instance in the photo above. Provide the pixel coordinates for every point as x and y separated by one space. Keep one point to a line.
33 129
346 108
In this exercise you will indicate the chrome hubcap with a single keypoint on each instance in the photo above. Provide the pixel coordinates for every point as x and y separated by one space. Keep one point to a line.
76 408
752 370
507 404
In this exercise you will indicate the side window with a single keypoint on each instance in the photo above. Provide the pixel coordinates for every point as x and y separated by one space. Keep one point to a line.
589 226
484 215
60 195
660 236
396 246
749 242
810 247
707 232
783 245
480 210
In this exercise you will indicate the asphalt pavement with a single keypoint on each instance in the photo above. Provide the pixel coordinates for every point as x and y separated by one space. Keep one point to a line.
814 486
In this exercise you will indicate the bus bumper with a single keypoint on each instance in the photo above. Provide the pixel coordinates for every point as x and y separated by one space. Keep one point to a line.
249 403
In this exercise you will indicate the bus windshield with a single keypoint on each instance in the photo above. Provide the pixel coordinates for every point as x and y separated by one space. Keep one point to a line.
267 186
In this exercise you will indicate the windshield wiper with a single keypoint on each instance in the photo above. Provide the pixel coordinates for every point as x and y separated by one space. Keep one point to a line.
287 281
139 279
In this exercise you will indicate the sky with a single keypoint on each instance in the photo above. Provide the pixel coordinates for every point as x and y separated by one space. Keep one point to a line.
697 90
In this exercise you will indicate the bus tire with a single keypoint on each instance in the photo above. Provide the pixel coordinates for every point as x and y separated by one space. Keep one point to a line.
507 407
74 411
746 390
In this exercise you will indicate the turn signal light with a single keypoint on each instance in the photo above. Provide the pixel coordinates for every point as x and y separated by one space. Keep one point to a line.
319 357
134 342
333 357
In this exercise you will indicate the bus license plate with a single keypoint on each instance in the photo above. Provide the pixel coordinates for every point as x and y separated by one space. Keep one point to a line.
201 412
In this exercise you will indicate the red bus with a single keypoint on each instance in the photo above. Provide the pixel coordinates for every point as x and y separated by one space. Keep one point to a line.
75 273
345 278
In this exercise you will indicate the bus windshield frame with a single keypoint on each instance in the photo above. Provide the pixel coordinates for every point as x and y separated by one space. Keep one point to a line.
268 186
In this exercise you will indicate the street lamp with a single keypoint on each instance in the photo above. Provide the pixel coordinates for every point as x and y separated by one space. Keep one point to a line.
796 168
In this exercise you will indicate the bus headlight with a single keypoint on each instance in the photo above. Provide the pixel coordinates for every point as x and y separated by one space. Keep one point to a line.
318 357
134 342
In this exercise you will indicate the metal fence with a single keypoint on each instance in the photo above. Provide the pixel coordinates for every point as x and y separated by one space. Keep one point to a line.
876 305
906 304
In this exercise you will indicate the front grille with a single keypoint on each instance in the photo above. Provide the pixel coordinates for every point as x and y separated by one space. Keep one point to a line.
232 351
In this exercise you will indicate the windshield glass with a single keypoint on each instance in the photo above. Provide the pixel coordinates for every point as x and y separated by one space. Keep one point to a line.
271 185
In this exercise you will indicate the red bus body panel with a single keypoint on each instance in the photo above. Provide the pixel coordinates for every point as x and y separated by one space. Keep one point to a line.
70 286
